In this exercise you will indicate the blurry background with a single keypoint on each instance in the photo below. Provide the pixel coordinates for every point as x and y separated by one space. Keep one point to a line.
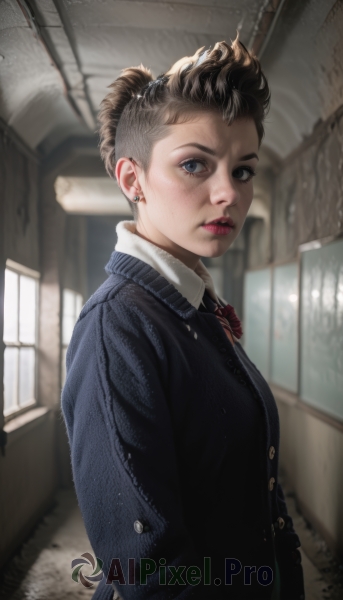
58 213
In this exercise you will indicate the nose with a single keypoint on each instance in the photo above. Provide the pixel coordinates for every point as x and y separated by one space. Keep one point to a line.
224 188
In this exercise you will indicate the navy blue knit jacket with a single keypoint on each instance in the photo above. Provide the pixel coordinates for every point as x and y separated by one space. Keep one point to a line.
172 433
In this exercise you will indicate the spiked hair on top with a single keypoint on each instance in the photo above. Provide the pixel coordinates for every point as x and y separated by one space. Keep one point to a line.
138 109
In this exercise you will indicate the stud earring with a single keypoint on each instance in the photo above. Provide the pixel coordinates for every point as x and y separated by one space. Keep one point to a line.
135 199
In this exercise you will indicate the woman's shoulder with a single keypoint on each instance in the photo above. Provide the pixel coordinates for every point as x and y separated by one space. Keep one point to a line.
122 296
119 312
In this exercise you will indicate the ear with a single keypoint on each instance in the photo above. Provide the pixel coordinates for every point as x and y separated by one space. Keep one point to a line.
127 177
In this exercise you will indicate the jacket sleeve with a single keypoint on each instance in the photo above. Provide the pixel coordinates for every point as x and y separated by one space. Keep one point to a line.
289 558
124 464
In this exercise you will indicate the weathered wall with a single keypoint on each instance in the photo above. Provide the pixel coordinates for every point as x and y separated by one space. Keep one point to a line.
311 453
308 198
27 478
307 205
28 467
37 233
20 182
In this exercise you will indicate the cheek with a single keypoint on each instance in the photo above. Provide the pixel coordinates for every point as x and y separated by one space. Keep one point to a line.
175 186
247 195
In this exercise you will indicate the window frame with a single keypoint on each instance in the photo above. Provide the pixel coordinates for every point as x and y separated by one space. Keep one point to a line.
20 270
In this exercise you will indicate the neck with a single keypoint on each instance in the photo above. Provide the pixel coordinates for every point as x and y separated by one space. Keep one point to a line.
190 260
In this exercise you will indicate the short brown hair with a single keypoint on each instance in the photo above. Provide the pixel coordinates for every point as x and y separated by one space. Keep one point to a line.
137 111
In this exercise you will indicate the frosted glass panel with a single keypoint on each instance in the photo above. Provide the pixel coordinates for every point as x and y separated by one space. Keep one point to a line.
284 354
27 310
322 328
10 378
11 307
26 375
257 318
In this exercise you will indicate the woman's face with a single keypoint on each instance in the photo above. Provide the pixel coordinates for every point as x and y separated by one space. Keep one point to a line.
203 170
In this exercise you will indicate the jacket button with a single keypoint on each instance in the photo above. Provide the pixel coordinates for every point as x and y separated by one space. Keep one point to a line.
281 522
271 484
138 526
271 452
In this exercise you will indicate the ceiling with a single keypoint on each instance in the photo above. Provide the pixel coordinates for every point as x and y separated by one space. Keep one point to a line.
57 58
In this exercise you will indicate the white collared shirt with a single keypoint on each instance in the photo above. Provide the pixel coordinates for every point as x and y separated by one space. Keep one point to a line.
190 283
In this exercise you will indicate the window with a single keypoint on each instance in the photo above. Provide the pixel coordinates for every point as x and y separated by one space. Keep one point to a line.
72 304
284 341
321 310
20 337
257 299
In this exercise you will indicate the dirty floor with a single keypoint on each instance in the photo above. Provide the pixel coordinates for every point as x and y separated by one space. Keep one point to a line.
41 568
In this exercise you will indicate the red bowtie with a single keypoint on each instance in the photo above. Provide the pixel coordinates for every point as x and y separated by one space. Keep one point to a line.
227 317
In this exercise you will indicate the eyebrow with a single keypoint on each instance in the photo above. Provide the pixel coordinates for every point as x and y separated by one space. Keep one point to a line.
213 153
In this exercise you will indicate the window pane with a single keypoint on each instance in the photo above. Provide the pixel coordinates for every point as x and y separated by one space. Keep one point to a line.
68 303
10 379
11 307
63 366
79 300
68 326
27 312
321 364
26 375
284 357
69 316
256 324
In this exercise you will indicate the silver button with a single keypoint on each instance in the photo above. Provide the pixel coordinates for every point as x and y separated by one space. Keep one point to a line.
271 484
138 526
281 522
271 452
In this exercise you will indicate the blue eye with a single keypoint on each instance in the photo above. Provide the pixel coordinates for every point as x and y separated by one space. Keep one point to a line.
192 166
244 174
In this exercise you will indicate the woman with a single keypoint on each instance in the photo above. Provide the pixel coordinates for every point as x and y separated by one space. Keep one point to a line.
174 433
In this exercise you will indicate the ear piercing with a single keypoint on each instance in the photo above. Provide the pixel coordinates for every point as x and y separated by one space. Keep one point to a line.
135 199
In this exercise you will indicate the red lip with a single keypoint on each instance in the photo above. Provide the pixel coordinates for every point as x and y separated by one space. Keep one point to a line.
220 220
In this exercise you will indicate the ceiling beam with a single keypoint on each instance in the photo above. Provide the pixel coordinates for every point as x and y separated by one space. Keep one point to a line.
44 20
265 24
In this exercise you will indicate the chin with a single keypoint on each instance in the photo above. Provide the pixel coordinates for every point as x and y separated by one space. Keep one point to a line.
216 250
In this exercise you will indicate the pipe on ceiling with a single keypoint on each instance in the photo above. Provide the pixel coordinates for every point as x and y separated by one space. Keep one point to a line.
33 25
265 25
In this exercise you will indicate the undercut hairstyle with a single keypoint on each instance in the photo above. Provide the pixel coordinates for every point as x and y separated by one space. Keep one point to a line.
139 109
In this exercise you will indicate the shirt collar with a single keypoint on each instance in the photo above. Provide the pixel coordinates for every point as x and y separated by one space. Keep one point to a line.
190 283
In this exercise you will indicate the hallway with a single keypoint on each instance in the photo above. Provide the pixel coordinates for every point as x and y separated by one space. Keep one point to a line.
59 214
